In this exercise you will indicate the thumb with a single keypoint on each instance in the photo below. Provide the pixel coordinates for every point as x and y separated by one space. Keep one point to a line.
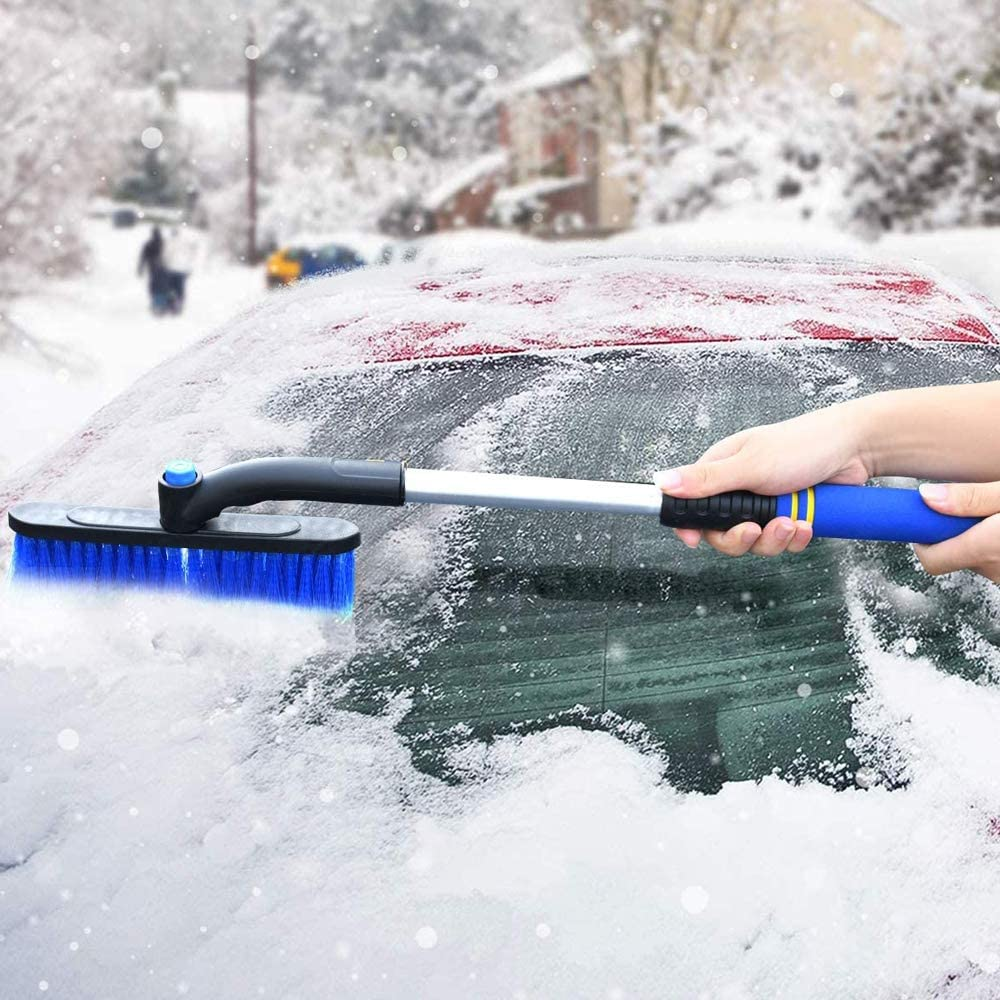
704 479
969 550
962 499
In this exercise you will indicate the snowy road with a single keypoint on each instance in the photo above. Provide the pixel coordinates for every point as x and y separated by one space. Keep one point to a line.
88 338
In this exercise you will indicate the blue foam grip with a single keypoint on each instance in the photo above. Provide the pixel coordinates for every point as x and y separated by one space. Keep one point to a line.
875 513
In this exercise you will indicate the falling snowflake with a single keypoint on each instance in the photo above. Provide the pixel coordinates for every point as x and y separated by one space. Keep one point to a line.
426 937
68 739
694 899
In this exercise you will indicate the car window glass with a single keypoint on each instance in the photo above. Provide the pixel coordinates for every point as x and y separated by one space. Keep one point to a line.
487 620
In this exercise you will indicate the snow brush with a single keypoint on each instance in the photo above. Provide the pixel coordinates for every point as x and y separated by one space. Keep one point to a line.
190 544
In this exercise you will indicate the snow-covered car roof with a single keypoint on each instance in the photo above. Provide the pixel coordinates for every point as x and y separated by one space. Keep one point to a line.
533 299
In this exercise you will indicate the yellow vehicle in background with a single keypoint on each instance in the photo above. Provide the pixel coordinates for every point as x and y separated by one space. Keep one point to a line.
314 256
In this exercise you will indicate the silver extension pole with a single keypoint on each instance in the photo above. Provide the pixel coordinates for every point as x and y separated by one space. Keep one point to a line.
483 489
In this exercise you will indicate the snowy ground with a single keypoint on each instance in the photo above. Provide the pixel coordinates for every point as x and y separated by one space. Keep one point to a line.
169 825
87 339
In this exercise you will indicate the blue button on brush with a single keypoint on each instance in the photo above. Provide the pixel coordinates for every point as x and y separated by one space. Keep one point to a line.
180 472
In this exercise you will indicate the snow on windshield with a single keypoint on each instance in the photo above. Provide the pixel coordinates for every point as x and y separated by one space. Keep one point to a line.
170 827
172 824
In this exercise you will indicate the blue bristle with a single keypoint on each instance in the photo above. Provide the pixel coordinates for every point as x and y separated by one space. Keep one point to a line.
173 568
273 579
342 569
106 564
156 564
307 570
203 572
289 570
123 565
322 584
139 564
91 560
325 582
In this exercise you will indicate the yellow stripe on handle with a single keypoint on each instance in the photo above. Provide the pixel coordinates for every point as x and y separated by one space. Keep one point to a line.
795 506
810 504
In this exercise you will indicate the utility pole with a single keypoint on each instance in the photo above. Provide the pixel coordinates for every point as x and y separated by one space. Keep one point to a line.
251 52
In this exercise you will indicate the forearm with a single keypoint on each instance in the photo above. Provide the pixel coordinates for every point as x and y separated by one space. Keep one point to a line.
943 432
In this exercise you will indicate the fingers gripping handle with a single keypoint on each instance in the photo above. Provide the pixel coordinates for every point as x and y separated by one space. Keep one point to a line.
872 513
720 512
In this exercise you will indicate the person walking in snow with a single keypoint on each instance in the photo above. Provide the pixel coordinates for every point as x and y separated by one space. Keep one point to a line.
152 251
180 256
151 262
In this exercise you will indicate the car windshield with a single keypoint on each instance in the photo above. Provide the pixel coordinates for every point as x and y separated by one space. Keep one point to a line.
488 620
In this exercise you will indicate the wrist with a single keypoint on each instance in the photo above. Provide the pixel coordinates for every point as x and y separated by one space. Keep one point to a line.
864 422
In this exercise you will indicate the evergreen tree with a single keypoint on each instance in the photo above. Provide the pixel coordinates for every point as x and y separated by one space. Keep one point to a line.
159 168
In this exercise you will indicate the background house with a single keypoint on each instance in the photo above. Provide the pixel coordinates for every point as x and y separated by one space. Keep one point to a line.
571 130
464 198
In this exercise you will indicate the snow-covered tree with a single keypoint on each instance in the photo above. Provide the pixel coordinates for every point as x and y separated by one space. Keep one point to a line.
313 177
682 53
305 50
411 73
780 147
935 158
52 130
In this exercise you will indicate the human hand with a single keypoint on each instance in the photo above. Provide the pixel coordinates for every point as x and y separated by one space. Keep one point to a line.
827 445
978 548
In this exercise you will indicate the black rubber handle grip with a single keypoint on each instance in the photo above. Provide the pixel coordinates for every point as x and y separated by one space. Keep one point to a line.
720 512
329 480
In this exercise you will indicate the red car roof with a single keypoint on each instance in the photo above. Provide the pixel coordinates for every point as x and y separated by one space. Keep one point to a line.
604 302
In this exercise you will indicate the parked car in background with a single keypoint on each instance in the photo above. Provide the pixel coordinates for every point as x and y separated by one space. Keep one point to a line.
313 255
124 218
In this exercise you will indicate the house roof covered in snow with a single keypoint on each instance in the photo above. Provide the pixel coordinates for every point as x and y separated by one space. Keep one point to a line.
512 196
907 13
567 67
481 167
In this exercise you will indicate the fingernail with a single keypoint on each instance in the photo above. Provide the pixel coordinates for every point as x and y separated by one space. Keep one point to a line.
934 491
784 531
669 479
